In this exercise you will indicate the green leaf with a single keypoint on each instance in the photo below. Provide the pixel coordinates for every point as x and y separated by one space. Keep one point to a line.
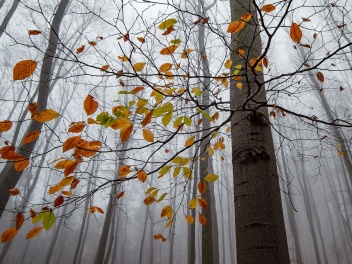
180 161
187 172
204 113
175 41
167 23
238 69
161 197
166 119
197 91
105 119
178 121
211 178
150 190
39 217
187 121
164 170
176 172
49 220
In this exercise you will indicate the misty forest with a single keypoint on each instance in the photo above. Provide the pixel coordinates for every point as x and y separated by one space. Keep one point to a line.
176 131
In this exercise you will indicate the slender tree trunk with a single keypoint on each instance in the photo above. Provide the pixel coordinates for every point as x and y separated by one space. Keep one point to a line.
8 16
260 229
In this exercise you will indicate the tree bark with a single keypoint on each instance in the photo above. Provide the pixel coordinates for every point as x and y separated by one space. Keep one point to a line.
260 229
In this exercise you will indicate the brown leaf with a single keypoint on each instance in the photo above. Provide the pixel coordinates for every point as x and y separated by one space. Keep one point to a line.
202 187
147 119
202 202
34 232
268 8
90 105
120 195
76 127
169 50
295 33
74 183
20 165
5 125
126 132
71 143
59 201
46 115
8 234
202 219
24 69
30 137
34 32
19 220
142 176
168 31
33 108
320 76
80 49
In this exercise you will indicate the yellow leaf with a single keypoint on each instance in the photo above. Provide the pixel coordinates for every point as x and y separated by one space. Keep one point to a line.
169 223
5 125
66 181
66 193
165 67
148 135
55 188
193 203
142 176
202 219
124 170
167 23
236 26
21 164
268 8
139 66
169 50
239 85
165 211
295 33
30 137
211 177
46 115
8 234
123 58
90 105
341 153
34 232
228 64
185 53
23 69
190 141
189 219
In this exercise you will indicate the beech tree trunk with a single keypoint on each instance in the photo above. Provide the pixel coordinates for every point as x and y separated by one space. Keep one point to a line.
260 229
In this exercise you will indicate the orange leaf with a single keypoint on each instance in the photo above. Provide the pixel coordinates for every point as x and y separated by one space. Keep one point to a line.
66 181
46 115
241 52
33 108
190 141
120 195
30 137
70 168
236 26
202 202
246 17
76 127
21 164
32 213
268 8
5 125
202 187
92 43
14 191
149 200
23 69
71 143
228 64
19 220
165 67
80 49
137 89
126 132
99 210
185 53
8 234
169 50
140 39
90 105
165 211
139 66
63 164
147 119
66 193
55 188
34 232
295 33
92 209
59 201
202 219
189 219
104 68
123 58
74 183
142 176
168 31
320 76
265 62
8 152
158 236
33 32
124 170
148 135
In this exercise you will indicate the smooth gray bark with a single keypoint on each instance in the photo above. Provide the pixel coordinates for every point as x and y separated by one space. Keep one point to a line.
8 16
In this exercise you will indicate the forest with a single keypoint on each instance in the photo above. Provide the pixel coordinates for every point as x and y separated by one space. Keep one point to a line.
176 131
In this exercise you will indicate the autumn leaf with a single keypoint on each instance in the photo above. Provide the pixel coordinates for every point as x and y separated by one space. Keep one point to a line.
55 188
320 76
138 89
167 23
165 211
149 200
168 31
140 39
165 67
126 132
92 43
74 183
211 177
190 141
189 219
33 108
228 64
80 49
104 68
20 165
123 58
120 195
70 168
148 135
66 181
30 137
67 193
14 191
8 234
139 66
19 220
202 219
5 125
202 187
236 26
90 105
71 143
24 69
124 170
99 210
295 33
147 119
246 17
158 236
185 53
193 203
169 50
49 220
202 202
34 232
33 32
268 8
59 201
46 115
76 127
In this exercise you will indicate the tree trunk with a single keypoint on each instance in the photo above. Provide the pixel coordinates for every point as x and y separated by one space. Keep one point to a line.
8 16
260 229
